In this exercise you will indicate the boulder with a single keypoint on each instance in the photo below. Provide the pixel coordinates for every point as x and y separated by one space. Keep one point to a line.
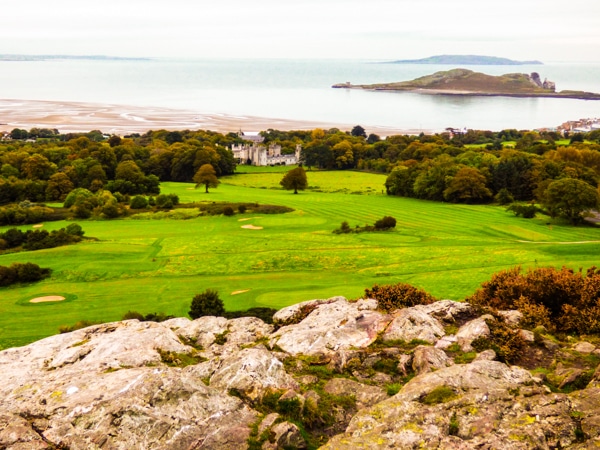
447 311
331 327
252 372
472 330
425 359
481 408
295 313
584 347
413 323
365 395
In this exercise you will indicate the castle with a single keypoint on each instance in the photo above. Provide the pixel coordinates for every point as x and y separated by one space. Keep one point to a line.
255 154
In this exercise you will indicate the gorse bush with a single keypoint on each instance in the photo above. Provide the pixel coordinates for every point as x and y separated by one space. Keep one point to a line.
207 303
558 299
396 296
385 223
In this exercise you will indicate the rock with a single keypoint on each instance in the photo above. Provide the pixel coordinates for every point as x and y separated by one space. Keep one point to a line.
425 359
527 336
267 422
403 363
332 327
413 323
287 435
365 395
584 347
512 317
447 310
295 313
203 330
252 372
246 330
481 411
472 330
486 355
446 341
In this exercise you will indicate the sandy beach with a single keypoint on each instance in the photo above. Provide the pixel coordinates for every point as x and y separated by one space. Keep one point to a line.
122 120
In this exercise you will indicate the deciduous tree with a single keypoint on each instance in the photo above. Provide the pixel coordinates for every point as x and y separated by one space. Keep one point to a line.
206 176
295 179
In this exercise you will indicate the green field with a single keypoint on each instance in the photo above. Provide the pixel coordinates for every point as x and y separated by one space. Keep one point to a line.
153 265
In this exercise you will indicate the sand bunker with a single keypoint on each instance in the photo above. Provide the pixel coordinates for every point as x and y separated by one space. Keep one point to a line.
47 298
251 227
239 292
248 218
39 225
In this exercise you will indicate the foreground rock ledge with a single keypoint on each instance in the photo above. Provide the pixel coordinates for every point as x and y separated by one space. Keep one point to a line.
113 386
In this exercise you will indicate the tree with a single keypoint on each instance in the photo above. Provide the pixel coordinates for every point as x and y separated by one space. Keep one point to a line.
358 131
295 179
467 186
207 303
570 198
207 176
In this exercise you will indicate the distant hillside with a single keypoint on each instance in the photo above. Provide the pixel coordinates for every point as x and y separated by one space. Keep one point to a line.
469 83
67 57
466 60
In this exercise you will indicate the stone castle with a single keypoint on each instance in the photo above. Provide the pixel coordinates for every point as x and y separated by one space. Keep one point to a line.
255 153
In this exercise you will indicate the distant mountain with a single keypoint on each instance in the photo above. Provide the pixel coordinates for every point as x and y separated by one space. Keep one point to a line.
466 60
68 57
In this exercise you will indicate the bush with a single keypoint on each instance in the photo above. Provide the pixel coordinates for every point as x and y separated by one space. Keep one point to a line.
560 300
164 201
396 296
385 223
526 211
242 209
207 303
228 211
138 202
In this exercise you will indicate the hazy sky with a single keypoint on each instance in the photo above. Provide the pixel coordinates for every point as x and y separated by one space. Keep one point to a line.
548 30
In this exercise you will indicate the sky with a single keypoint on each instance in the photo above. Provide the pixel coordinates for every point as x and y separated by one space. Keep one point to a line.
549 30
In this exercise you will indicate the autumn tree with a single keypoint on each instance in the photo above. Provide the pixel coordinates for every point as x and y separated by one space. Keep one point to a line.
467 186
295 179
206 176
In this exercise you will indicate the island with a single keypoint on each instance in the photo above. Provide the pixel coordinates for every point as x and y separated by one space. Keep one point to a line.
469 83
465 60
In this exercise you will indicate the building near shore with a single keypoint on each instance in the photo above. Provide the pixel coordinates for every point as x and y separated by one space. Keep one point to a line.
255 153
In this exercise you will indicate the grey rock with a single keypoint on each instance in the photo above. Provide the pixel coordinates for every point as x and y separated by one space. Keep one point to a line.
486 355
332 327
425 359
447 310
472 330
252 372
413 323
584 347
365 395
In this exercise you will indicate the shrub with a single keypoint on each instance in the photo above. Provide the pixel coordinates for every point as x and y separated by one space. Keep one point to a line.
396 296
228 211
132 315
385 223
138 202
164 201
505 340
77 326
242 209
526 211
560 300
207 303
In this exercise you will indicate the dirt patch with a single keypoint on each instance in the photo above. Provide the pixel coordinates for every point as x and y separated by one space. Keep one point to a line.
251 227
248 218
239 292
47 298
39 225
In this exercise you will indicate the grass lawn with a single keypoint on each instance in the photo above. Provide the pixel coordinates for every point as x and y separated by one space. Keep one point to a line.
159 265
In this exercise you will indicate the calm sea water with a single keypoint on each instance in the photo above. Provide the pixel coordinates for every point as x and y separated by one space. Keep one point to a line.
299 90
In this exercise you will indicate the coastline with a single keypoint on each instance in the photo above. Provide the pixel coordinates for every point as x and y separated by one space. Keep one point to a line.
69 117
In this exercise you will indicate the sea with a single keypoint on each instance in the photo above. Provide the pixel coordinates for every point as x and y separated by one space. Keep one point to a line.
299 90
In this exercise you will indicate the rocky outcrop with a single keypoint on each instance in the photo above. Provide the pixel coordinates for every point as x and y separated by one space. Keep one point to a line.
336 372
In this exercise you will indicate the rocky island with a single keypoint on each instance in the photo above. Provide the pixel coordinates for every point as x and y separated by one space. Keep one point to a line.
469 83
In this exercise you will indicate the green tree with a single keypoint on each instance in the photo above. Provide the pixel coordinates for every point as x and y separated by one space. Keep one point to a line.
295 179
207 176
570 198
58 187
207 303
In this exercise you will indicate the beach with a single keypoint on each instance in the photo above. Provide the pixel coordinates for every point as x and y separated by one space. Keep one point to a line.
122 120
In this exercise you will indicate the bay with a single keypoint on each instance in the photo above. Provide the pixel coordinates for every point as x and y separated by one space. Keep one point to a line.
299 90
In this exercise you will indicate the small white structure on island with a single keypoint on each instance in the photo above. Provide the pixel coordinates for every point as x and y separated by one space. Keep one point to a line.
255 154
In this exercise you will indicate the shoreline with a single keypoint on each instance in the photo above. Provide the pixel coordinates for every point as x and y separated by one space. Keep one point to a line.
69 117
